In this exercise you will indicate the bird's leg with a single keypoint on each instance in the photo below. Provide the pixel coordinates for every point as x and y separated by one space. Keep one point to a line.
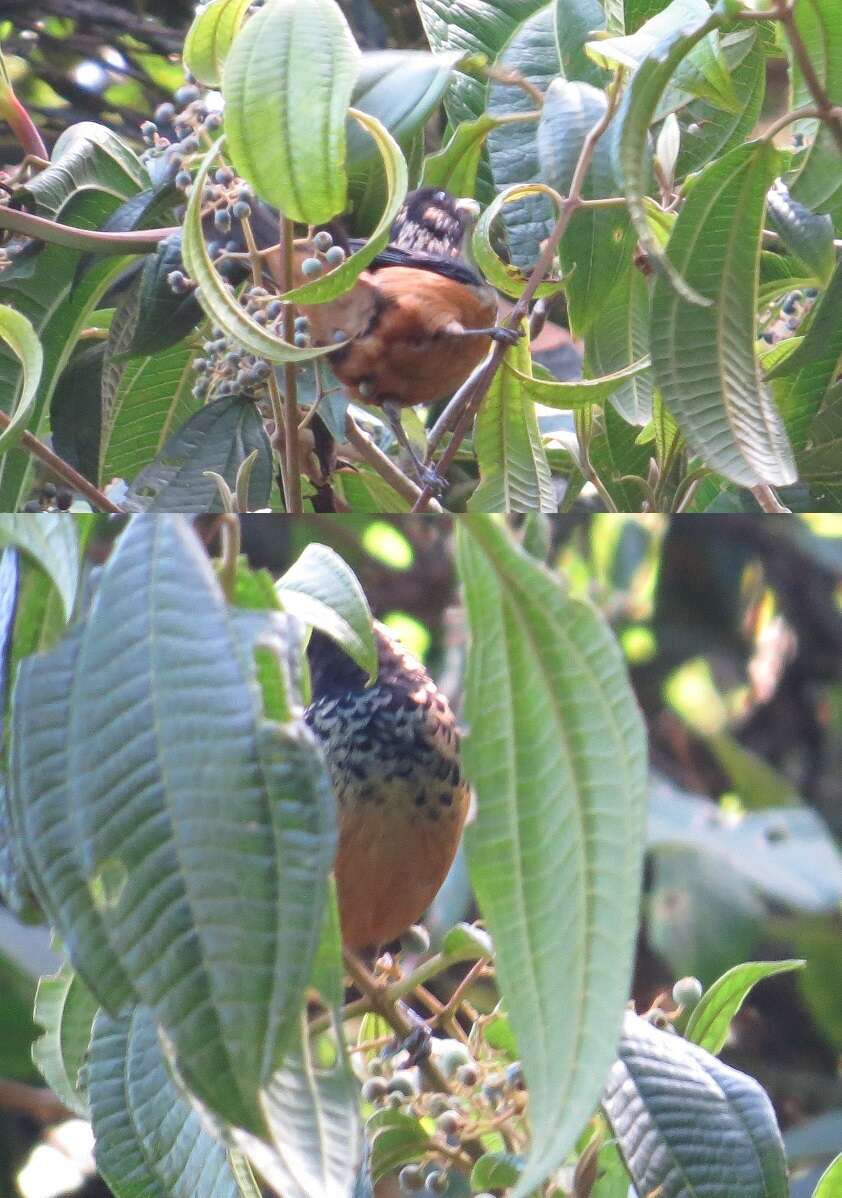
426 476
496 332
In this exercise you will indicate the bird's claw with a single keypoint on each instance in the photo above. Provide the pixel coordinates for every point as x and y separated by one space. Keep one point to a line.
430 478
506 335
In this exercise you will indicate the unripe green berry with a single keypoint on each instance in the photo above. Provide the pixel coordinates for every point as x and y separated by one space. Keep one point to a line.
687 992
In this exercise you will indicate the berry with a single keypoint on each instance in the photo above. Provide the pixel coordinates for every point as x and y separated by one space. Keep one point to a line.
241 209
183 180
48 491
448 1122
514 1075
687 992
222 219
335 255
438 1104
436 1182
164 113
311 268
274 309
64 499
213 121
32 505
148 130
455 1055
402 1083
411 1179
467 1075
374 1089
301 340
302 324
323 240
186 94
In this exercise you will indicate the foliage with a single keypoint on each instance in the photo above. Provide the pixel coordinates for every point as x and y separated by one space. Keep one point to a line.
172 816
625 172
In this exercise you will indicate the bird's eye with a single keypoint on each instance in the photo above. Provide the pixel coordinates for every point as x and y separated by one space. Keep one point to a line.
440 197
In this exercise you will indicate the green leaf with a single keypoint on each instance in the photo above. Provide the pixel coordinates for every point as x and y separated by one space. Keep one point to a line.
807 236
481 28
86 157
710 1019
395 1138
495 1170
506 276
704 359
575 22
618 341
43 819
54 545
454 167
820 462
150 1140
321 590
545 389
219 438
287 85
209 39
830 1181
683 1120
596 248
810 369
708 131
163 679
400 88
144 398
512 147
556 753
464 942
76 410
513 468
816 183
313 1119
65 1009
632 123
20 336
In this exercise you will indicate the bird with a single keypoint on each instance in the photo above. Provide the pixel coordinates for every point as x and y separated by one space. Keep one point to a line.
417 320
392 752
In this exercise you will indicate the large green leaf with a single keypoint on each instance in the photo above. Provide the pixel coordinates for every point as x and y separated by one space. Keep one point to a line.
218 438
210 37
42 818
321 590
557 755
144 398
830 1181
513 468
817 183
65 1009
684 1121
821 460
710 1019
513 148
597 247
53 544
546 389
20 336
150 1139
195 841
807 236
619 337
287 85
703 358
454 167
636 113
87 157
312 1113
575 22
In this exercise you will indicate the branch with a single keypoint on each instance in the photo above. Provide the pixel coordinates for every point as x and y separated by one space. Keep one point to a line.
63 469
828 111
144 241
489 368
387 469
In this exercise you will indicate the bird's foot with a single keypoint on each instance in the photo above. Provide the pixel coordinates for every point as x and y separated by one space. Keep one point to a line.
505 335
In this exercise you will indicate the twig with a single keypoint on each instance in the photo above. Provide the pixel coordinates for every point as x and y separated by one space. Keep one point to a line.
144 241
63 469
387 469
292 471
828 111
230 552
539 272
